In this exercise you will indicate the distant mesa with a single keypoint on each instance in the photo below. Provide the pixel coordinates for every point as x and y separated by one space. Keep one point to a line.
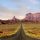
10 21
29 17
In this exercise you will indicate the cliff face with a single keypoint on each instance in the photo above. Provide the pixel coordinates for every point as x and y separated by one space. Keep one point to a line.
37 17
32 17
29 17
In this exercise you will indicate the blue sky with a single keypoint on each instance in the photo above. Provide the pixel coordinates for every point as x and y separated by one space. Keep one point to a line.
9 8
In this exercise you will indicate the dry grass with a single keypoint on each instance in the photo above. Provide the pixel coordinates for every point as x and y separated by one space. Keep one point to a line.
8 29
33 30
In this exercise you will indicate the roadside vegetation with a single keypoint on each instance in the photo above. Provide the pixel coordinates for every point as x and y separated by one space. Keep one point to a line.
8 29
32 29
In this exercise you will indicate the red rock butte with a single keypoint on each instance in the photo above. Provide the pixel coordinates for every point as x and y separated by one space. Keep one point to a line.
32 17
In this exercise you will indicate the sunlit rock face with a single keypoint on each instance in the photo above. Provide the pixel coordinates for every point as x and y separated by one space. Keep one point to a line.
33 17
36 17
29 16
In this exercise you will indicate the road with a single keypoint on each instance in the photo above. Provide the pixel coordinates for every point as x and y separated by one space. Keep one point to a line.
20 35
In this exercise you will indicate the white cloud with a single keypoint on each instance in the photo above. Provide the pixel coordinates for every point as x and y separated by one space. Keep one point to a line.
6 13
34 1
15 0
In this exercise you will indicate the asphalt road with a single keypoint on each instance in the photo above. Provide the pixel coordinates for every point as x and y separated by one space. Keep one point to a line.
20 35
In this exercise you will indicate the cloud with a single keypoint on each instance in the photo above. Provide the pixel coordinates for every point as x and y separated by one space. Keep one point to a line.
34 1
6 13
4 9
15 0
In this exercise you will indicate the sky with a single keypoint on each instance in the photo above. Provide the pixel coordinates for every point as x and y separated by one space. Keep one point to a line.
18 8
